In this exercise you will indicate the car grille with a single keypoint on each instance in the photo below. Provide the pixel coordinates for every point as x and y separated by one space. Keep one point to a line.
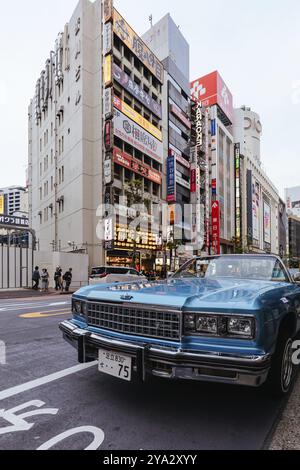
134 320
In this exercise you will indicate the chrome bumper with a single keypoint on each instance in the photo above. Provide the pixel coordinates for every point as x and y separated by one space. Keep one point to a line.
172 363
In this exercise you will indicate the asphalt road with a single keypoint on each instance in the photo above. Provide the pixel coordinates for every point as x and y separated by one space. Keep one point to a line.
39 409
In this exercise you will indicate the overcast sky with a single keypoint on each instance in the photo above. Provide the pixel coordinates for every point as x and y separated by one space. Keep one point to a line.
255 46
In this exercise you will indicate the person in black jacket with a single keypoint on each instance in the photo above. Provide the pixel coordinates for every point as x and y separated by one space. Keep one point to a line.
67 277
36 278
58 278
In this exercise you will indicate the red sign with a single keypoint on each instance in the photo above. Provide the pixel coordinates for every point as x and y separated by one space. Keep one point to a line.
211 90
107 135
215 223
125 160
193 180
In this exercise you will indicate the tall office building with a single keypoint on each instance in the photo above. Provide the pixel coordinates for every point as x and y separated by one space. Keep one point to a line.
292 200
169 44
95 125
257 200
214 95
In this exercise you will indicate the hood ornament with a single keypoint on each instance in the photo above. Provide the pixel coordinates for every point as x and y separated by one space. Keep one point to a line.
126 297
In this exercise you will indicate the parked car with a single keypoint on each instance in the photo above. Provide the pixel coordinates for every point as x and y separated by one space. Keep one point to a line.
109 274
229 319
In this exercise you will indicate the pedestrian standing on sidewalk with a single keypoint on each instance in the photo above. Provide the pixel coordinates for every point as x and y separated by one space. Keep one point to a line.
68 279
45 280
36 278
57 278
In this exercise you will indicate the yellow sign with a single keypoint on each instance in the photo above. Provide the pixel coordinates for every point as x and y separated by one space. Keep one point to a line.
137 46
2 204
136 117
107 71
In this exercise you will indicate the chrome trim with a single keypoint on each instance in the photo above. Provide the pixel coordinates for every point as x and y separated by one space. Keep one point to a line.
67 326
135 319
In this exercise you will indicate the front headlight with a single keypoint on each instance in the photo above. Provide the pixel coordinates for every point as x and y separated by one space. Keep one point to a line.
240 326
219 325
79 307
207 325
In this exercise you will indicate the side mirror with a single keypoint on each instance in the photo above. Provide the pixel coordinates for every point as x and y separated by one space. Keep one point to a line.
296 278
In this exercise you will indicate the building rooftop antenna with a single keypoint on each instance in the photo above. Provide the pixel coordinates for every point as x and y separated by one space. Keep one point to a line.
151 20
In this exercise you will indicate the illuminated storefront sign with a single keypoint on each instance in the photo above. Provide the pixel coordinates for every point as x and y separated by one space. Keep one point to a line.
193 178
107 171
107 71
125 160
179 114
126 82
255 209
199 126
171 183
136 136
215 221
136 117
137 46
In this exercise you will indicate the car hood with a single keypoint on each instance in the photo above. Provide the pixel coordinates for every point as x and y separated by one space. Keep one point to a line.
185 293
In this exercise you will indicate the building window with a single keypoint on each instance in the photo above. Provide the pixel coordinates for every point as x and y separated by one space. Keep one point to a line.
52 183
62 144
41 193
62 174
59 176
117 172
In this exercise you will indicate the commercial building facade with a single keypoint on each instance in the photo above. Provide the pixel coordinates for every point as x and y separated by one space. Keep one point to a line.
95 125
212 92
166 40
257 204
292 199
294 241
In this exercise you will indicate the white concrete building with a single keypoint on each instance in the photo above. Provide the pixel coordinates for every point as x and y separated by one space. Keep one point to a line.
257 199
14 201
65 139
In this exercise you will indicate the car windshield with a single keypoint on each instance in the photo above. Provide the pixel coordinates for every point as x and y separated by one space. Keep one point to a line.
266 268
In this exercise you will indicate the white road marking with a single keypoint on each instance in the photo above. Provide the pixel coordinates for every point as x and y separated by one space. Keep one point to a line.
94 445
58 303
11 392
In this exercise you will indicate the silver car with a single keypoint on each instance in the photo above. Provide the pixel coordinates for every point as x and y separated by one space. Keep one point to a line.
111 274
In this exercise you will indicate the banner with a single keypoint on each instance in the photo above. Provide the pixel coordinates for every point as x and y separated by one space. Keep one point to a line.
255 209
107 38
125 160
136 117
137 46
126 82
108 108
267 223
136 136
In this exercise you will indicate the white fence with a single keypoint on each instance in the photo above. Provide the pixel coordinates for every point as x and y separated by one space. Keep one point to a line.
16 266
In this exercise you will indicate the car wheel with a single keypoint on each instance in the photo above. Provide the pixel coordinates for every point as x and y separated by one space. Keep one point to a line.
282 368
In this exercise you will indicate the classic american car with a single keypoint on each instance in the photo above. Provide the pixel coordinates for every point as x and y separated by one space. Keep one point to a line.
228 318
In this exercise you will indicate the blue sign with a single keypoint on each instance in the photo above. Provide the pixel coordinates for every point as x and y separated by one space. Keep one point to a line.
213 127
171 181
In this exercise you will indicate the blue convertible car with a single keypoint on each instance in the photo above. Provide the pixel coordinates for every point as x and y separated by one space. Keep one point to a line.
229 319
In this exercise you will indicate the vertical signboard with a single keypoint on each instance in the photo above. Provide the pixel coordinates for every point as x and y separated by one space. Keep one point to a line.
255 210
107 10
1 204
107 77
215 221
249 207
107 38
171 182
108 109
238 206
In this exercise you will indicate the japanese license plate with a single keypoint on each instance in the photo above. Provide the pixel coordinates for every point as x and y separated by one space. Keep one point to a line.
115 364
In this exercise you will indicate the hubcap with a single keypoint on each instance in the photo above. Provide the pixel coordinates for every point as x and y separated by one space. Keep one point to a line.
287 366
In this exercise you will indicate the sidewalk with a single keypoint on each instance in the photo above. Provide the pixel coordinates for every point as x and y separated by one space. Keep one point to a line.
28 293
287 434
